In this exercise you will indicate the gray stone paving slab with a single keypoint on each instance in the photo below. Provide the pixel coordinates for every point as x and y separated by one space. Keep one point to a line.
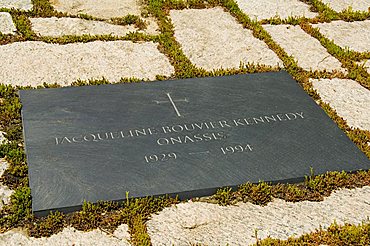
6 24
17 4
348 98
103 8
35 63
211 224
340 5
266 9
353 35
212 39
308 51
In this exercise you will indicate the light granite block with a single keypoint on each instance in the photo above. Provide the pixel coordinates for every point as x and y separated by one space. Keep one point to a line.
103 8
348 98
308 51
353 35
212 39
266 9
17 4
211 224
340 5
35 63
6 24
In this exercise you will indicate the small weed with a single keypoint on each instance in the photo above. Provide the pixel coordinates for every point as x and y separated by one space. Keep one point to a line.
42 8
88 218
48 226
259 194
224 196
130 20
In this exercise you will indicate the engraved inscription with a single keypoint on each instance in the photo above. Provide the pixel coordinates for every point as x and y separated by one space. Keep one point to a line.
196 127
236 149
200 152
160 157
173 103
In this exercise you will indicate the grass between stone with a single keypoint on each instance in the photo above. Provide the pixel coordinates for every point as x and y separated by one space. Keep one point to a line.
135 212
334 235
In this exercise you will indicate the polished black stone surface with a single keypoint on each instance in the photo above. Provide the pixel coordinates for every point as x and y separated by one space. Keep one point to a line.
186 137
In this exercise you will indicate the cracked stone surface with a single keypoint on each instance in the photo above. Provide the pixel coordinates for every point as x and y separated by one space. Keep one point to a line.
308 51
17 4
348 98
35 63
6 24
266 9
69 236
354 35
339 5
212 39
57 27
105 9
211 224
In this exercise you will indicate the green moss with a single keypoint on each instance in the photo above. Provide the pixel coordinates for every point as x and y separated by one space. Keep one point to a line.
293 193
19 212
325 184
326 14
224 196
138 231
23 26
130 20
350 15
47 226
259 194
42 8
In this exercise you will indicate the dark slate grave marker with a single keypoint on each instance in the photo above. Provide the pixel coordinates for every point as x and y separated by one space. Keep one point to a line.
186 137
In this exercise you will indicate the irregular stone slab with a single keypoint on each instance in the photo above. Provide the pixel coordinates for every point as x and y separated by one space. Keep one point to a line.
6 24
348 98
308 51
2 139
5 192
211 224
266 9
354 35
69 236
340 5
3 166
17 4
35 63
212 39
57 27
103 8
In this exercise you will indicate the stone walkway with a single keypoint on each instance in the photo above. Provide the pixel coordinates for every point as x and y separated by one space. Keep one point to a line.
210 38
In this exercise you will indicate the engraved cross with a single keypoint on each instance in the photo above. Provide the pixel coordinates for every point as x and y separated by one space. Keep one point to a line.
173 103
